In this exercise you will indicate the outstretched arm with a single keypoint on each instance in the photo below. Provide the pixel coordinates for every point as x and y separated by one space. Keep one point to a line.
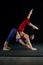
30 24
30 13
33 26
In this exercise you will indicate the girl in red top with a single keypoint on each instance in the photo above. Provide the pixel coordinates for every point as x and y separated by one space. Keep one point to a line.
24 35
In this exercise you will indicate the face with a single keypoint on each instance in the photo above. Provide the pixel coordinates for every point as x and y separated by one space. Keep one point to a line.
32 37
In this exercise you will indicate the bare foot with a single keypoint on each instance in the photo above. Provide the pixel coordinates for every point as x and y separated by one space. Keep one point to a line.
34 49
6 49
28 46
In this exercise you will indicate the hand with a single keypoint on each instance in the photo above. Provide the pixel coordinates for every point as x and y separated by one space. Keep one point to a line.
31 11
29 15
34 27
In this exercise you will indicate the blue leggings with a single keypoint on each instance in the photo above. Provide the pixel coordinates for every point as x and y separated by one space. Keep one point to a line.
11 34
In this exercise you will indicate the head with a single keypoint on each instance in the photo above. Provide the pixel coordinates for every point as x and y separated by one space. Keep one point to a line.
32 37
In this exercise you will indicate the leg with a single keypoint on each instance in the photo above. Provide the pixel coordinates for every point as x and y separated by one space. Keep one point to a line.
10 36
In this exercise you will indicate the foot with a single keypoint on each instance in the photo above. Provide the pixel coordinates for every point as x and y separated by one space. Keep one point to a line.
6 49
33 48
28 46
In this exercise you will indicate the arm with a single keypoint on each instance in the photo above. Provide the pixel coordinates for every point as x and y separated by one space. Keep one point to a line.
30 24
22 42
29 15
33 26
19 39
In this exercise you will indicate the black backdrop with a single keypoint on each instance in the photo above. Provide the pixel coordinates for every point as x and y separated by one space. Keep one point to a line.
12 16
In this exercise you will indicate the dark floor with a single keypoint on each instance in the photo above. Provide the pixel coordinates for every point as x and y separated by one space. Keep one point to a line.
19 50
21 60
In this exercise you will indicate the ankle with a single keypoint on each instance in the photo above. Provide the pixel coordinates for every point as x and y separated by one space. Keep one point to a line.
6 44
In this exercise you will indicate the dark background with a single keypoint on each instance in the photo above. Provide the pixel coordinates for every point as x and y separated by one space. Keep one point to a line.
11 17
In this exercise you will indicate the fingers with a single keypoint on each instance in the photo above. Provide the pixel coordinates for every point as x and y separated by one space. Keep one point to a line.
32 9
34 27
